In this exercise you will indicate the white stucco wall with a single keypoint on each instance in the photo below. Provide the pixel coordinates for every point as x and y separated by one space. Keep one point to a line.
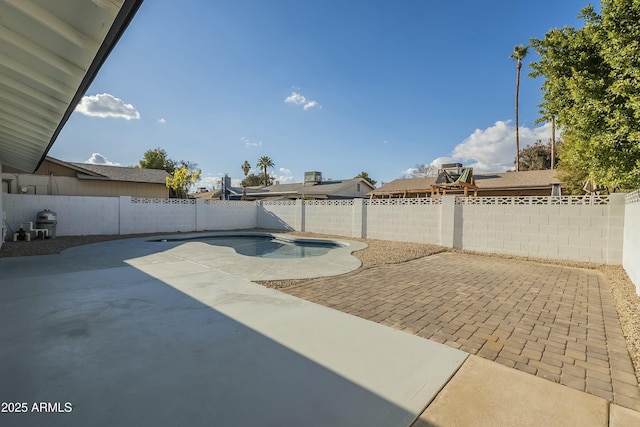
631 245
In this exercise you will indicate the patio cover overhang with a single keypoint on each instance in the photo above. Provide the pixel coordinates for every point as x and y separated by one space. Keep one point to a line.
50 52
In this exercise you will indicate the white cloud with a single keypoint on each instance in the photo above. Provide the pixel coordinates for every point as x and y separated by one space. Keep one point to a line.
295 98
493 149
299 99
250 143
99 159
310 104
162 120
286 175
209 181
106 105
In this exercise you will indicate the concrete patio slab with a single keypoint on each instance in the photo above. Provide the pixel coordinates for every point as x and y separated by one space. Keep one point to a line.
126 337
485 393
623 417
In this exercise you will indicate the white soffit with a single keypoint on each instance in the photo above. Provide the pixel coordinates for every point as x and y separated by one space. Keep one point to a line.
50 51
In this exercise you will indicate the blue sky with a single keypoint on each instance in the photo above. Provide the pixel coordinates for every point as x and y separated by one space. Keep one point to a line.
333 86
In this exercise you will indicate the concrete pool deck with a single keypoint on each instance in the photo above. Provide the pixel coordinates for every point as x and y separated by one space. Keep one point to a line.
147 250
131 336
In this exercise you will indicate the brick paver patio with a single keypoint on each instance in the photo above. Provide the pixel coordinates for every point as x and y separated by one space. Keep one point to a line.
558 323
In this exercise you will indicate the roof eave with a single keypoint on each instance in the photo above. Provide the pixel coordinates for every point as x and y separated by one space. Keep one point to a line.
120 24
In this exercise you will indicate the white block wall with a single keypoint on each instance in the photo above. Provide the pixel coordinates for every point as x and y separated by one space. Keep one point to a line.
588 233
79 216
631 245
279 215
403 222
329 217
225 215
152 216
76 216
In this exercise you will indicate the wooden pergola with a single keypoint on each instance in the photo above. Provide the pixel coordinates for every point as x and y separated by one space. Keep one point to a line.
457 178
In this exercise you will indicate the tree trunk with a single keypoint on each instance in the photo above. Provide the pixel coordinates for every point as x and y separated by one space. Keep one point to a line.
517 123
553 143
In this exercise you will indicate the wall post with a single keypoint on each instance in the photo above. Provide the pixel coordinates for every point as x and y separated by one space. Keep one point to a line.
615 228
299 225
125 203
358 218
448 221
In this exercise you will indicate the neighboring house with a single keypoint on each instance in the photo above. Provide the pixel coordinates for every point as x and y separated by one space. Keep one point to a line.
55 177
523 183
313 187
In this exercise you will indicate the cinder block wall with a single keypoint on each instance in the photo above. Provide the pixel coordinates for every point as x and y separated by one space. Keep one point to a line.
403 220
631 245
81 216
225 215
279 215
76 216
156 215
588 233
329 217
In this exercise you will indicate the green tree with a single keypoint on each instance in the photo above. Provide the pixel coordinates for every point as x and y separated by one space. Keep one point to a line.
183 178
246 167
157 159
252 181
592 86
519 53
365 176
265 162
536 156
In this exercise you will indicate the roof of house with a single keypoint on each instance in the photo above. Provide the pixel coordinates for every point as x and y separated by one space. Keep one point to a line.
214 194
120 173
493 181
321 188
52 52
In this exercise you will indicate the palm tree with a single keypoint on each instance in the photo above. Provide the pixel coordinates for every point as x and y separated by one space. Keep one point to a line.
265 162
519 52
246 167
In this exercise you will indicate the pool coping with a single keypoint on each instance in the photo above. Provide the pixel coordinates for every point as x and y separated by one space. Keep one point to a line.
336 261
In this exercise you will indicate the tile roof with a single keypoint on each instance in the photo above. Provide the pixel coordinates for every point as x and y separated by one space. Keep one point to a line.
522 179
120 173
324 187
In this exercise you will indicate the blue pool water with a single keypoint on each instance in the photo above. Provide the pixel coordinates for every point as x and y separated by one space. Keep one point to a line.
264 246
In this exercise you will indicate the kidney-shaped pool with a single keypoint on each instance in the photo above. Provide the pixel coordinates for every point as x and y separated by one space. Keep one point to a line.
265 246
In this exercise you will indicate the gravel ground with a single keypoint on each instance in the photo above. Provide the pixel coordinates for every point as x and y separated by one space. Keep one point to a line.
381 252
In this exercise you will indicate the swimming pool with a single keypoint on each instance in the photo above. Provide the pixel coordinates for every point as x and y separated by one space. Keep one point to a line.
265 246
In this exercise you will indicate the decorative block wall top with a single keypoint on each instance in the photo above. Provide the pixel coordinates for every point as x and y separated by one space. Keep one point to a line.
407 201
329 202
149 200
633 197
534 200
229 202
278 202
